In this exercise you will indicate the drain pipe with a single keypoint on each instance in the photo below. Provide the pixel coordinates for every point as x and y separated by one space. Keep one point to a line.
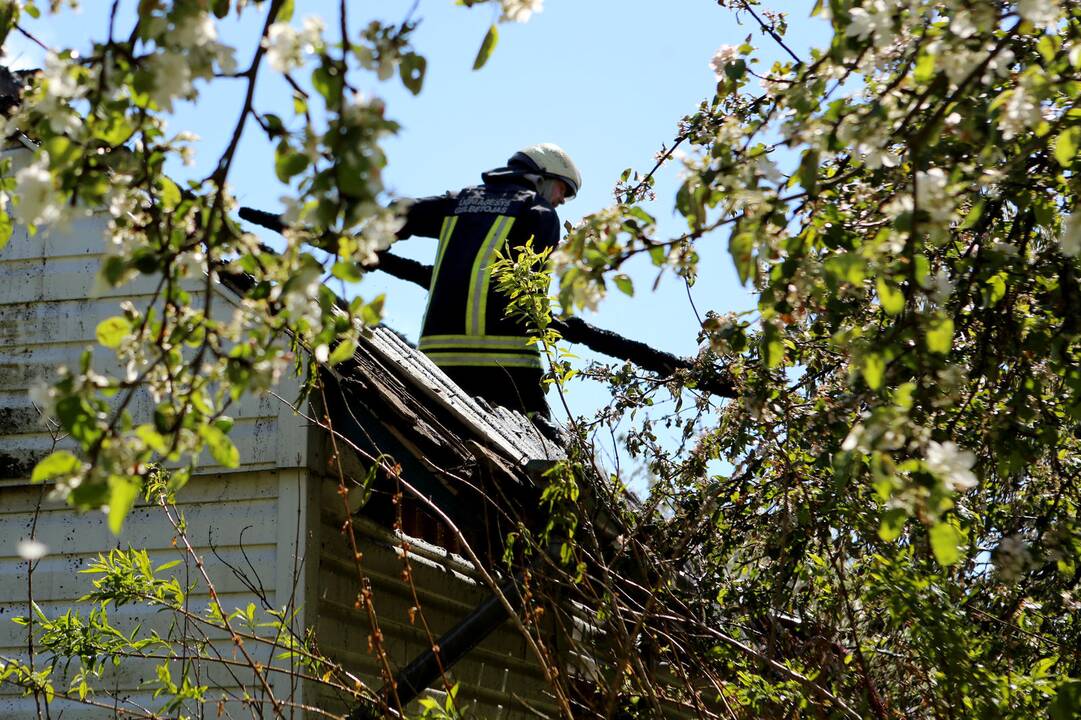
452 646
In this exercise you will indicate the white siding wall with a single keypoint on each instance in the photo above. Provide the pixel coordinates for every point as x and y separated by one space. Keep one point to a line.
239 518
50 304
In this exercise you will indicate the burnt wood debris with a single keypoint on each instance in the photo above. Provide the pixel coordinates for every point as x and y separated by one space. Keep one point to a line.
708 378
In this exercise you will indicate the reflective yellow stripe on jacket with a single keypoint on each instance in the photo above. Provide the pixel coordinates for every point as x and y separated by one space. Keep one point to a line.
484 350
481 277
444 239
453 358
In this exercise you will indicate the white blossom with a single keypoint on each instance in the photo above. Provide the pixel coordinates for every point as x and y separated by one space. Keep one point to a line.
59 83
30 549
521 10
875 156
1001 63
60 89
170 78
951 465
286 46
963 24
39 204
302 297
194 30
379 232
724 55
765 167
932 195
43 395
874 19
1041 13
941 286
854 438
1020 112
1069 239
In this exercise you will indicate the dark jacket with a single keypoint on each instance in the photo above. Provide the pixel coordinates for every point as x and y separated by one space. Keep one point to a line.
465 324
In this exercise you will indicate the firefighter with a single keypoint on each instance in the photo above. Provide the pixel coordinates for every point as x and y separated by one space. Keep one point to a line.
465 329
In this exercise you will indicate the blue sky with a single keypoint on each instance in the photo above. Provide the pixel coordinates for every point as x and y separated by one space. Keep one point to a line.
606 79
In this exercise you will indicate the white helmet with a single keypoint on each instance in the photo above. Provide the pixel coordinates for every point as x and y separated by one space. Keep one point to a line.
551 161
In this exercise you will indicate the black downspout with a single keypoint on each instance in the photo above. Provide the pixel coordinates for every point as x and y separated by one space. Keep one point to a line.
454 644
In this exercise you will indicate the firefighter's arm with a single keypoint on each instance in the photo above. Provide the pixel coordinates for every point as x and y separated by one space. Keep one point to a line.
424 216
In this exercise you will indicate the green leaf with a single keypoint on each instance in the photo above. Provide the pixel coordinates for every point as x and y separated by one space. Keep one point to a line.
1066 146
846 267
945 543
808 172
412 70
221 447
890 296
170 193
114 129
741 247
347 271
123 492
342 351
994 289
925 68
112 331
328 82
61 150
113 270
772 346
973 215
735 69
940 335
285 14
6 229
893 524
79 419
153 439
1047 48
221 8
874 369
624 283
59 464
486 47
288 162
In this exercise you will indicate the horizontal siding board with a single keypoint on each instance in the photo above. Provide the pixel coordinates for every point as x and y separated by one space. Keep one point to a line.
21 499
145 528
61 578
35 322
85 237
73 278
23 365
258 440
